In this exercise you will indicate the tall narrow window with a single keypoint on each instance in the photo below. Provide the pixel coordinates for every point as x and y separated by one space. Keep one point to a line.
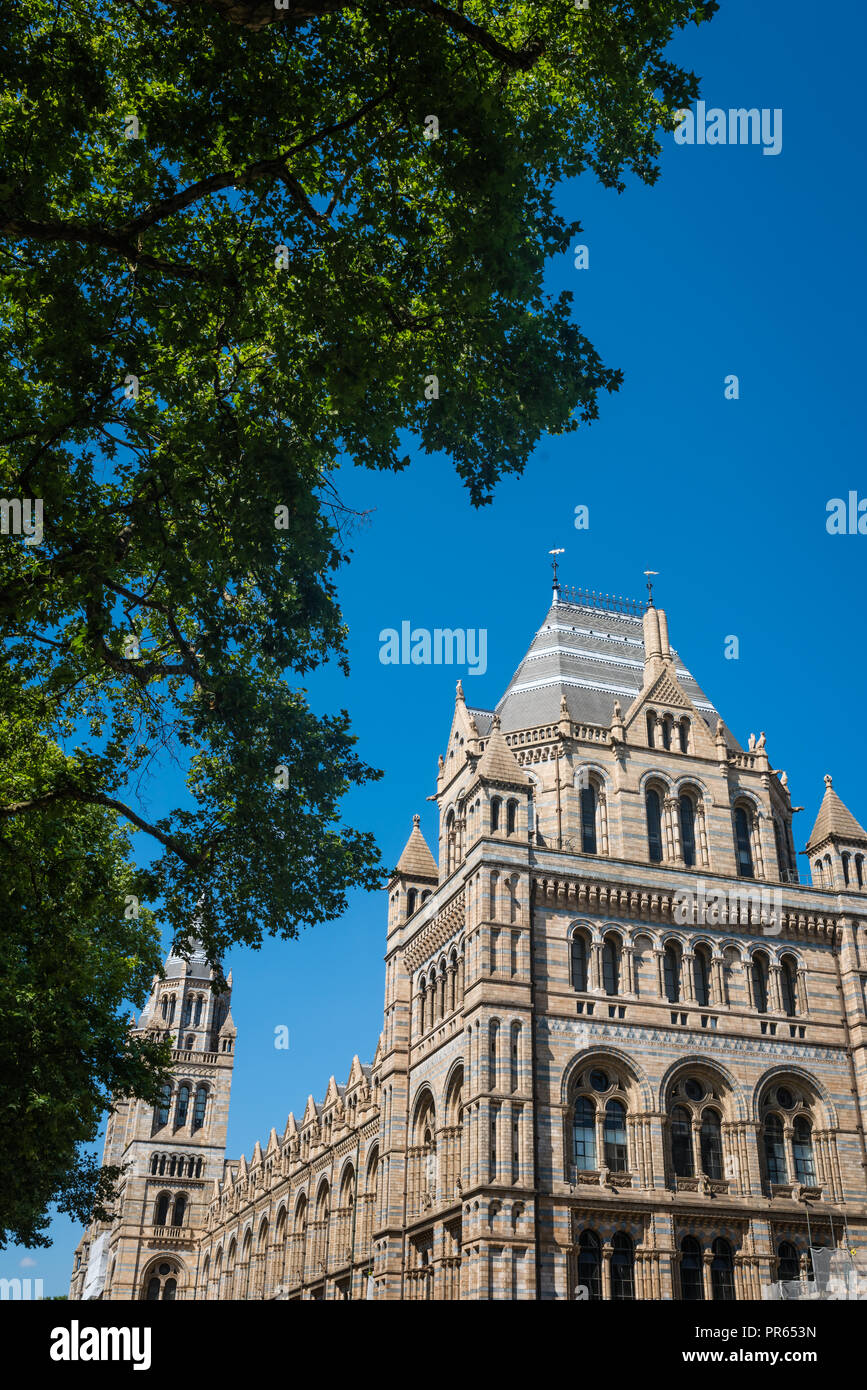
164 1105
789 985
495 813
651 727
590 1264
781 854
845 859
666 731
511 817
615 1136
788 1265
691 1287
683 732
687 830
711 1145
701 970
579 962
671 972
188 1011
199 1107
611 965
859 869
515 1056
492 1055
584 1134
654 826
722 1271
622 1266
760 981
198 1018
588 819
162 1209
183 1105
775 1154
411 901
681 1142
802 1149
743 844
179 1209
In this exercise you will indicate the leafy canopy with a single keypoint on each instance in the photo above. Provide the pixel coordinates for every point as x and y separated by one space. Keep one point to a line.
198 322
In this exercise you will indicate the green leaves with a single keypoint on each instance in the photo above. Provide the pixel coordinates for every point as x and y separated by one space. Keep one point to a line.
164 386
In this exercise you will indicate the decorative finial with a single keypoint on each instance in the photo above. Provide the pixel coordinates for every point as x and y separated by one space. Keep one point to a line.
416 820
564 708
459 691
554 554
828 780
650 574
495 723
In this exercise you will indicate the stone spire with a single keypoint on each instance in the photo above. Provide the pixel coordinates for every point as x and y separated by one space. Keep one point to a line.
834 821
498 763
417 860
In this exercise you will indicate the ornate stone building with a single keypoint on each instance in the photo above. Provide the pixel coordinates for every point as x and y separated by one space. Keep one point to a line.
624 1051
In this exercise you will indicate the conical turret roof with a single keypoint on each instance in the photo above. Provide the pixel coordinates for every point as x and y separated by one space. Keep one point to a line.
498 762
417 860
834 819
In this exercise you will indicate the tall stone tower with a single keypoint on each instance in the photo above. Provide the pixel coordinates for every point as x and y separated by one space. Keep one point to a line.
172 1153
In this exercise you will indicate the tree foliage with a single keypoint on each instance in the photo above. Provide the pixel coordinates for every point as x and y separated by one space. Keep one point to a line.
73 951
235 251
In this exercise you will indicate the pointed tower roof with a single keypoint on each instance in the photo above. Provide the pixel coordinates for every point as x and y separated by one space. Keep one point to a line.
417 860
834 820
592 654
498 763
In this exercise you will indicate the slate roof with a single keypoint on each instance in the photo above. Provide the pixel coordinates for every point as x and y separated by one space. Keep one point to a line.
417 860
593 658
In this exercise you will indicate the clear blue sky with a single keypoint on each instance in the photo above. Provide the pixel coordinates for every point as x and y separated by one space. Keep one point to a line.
735 262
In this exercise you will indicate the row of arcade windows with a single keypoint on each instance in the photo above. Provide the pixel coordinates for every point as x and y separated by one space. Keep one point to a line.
164 1205
673 971
182 1107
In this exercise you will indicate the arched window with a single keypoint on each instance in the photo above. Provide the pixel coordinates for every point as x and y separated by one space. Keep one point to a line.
760 968
183 1105
788 1264
511 817
701 971
411 901
687 830
590 1264
198 1017
495 813
584 1135
681 1142
743 843
188 1011
691 1286
588 819
180 1208
802 1149
162 1112
671 972
775 1153
654 826
199 1106
666 731
651 728
162 1284
711 1145
845 861
611 964
781 853
161 1214
722 1272
579 962
683 733
622 1265
859 869
614 1131
789 985
155 1163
